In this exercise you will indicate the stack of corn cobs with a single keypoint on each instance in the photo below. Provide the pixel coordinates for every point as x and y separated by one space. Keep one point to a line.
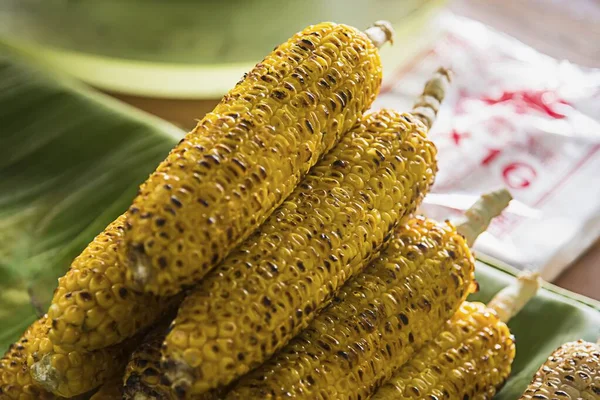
275 254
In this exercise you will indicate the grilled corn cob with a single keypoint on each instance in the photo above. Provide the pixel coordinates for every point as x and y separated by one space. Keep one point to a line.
379 319
143 378
70 373
244 158
571 372
266 291
15 381
111 390
472 356
92 308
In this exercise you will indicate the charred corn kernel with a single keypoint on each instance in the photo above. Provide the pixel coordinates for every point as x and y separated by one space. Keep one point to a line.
15 381
471 358
337 219
571 372
111 390
244 158
380 318
143 377
69 373
92 308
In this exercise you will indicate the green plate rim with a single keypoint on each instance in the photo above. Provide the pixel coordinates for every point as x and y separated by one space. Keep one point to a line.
565 293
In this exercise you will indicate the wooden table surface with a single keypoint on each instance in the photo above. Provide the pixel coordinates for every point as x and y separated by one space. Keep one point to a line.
563 29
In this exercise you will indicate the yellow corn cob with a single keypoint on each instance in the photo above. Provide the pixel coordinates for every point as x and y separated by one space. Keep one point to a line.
111 390
92 308
472 356
15 381
143 377
380 318
338 218
70 373
244 158
571 372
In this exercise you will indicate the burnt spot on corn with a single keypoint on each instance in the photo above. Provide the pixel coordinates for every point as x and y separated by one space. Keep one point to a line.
403 318
123 293
162 262
279 94
266 301
176 202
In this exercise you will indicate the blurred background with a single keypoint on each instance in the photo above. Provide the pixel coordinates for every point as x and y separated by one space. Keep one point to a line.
524 68
192 52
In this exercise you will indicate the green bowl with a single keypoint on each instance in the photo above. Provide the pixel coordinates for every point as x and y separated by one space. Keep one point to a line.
184 49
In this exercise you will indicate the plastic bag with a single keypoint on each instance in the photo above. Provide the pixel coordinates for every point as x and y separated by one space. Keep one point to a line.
513 118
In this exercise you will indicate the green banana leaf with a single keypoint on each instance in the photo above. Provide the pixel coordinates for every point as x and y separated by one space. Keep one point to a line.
71 161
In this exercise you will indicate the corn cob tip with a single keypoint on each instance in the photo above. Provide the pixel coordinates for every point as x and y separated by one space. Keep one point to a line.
478 217
179 376
509 301
380 33
45 374
428 104
139 268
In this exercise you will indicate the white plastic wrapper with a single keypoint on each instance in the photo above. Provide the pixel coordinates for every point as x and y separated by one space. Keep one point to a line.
519 119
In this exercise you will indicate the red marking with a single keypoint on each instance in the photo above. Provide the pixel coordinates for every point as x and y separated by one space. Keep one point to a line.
518 175
524 100
491 156
567 176
582 161
458 137
404 69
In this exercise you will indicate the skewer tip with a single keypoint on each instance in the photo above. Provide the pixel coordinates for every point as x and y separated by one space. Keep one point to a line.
428 104
479 216
380 33
510 301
